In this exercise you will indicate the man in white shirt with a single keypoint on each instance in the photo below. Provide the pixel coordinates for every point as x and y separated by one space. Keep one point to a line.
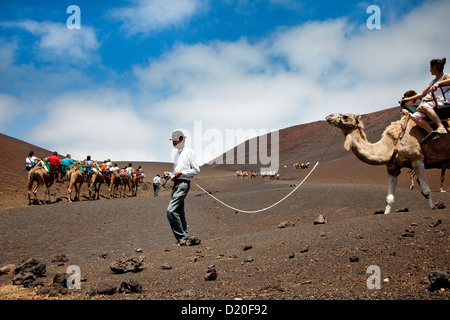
156 185
185 167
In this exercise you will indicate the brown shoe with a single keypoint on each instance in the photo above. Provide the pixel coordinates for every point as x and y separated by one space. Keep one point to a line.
182 243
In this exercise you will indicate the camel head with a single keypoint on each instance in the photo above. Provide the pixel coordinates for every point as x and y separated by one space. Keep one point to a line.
346 122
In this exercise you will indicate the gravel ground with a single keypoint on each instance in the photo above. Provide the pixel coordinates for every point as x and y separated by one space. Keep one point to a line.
253 257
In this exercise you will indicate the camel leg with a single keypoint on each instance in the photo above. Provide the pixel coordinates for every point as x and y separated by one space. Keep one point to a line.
390 199
419 167
78 192
90 191
412 175
69 191
110 188
442 178
35 193
47 194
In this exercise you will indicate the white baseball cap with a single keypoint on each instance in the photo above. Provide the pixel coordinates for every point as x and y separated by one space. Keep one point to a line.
176 135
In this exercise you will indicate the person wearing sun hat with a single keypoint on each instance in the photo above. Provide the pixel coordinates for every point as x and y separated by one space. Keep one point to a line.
185 167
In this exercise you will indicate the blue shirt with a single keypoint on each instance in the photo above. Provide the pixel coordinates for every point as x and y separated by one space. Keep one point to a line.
66 163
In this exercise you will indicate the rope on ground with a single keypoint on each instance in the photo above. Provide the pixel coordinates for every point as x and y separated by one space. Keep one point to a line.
264 209
278 202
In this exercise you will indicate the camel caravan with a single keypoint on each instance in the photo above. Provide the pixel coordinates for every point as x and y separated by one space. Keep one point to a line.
302 165
89 172
268 175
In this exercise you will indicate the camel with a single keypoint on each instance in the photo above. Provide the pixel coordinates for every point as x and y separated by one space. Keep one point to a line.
75 179
114 183
303 165
41 176
98 177
131 183
398 147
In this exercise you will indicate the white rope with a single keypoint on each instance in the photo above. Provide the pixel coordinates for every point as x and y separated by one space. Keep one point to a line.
264 209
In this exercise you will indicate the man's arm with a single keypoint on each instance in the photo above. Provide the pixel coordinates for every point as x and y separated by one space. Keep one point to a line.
195 169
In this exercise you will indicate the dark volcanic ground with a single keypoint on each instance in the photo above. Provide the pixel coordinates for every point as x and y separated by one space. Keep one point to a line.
303 261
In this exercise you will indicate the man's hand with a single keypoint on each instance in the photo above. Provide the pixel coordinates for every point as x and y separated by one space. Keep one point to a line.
176 175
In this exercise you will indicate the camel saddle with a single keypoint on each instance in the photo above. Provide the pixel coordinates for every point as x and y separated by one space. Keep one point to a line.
443 111
83 172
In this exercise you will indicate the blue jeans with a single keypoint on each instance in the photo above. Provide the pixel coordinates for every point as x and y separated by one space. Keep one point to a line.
175 210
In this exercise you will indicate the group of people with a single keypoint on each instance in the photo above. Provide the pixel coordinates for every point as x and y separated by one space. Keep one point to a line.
427 102
58 167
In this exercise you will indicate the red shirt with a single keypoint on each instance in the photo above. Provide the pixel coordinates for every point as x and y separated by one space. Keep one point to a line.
54 161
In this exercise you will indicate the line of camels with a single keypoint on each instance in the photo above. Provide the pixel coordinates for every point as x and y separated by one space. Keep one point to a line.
399 147
267 175
116 183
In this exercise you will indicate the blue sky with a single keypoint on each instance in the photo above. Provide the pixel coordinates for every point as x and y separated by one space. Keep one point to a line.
137 70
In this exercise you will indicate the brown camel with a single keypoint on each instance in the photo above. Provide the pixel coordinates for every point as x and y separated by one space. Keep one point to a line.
131 183
39 174
75 178
98 177
113 184
398 147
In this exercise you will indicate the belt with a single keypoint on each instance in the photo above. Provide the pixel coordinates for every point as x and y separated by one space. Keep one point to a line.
181 180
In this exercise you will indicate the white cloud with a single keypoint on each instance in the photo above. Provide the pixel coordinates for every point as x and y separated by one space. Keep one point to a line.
101 123
58 43
145 16
10 107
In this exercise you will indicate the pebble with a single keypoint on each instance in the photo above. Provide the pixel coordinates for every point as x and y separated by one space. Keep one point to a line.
286 224
211 274
320 219
7 269
130 286
439 279
305 249
408 233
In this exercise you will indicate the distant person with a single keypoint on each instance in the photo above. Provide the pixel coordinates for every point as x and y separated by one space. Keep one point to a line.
66 163
156 185
55 165
114 168
88 165
426 107
130 170
185 167
30 161
108 165
103 166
